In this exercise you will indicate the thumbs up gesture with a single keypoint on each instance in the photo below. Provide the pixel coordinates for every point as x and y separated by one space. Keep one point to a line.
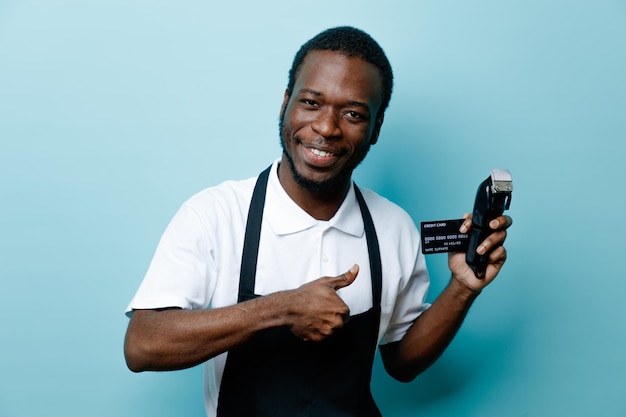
315 308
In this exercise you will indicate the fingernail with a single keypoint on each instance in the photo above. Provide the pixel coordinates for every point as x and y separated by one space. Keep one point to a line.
463 229
354 268
480 250
494 224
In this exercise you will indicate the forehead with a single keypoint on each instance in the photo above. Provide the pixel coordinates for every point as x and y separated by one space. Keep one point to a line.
334 73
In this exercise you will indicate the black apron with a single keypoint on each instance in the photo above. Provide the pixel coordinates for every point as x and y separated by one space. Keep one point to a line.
277 374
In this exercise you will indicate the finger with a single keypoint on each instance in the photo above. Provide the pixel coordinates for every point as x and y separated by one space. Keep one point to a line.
492 241
344 279
467 223
498 255
501 222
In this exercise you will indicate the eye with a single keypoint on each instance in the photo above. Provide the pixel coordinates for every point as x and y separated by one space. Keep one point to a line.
308 102
355 115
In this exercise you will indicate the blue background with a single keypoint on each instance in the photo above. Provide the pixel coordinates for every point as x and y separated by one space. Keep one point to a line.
112 113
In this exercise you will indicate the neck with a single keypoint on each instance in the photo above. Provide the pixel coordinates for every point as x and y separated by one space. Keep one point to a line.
321 205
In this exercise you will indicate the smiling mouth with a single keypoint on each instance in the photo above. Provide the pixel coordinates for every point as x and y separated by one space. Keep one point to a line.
320 153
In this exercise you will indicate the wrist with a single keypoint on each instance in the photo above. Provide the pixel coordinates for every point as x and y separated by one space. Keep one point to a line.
283 305
461 290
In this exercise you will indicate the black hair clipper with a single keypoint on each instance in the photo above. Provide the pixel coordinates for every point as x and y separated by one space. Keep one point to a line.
492 198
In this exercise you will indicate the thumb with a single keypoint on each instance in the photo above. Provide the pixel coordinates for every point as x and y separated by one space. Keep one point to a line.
344 279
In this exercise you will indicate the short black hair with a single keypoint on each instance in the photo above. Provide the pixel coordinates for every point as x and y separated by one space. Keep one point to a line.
351 42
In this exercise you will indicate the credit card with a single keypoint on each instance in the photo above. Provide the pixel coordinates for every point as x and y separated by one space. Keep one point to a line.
443 236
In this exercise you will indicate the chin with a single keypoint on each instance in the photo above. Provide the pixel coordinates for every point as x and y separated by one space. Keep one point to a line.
310 184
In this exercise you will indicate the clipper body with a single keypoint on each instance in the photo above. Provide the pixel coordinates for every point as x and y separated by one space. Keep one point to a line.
492 198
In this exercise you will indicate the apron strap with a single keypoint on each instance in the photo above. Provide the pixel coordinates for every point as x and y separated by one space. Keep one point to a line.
373 249
252 237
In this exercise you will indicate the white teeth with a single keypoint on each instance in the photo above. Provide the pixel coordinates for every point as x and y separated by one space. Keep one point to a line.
321 153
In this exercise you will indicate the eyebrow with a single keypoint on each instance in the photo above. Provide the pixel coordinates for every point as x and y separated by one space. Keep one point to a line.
350 103
310 91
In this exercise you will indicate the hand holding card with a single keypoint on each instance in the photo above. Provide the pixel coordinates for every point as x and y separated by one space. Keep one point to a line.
492 198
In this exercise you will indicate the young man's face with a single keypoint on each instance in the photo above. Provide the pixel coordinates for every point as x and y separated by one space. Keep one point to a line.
331 118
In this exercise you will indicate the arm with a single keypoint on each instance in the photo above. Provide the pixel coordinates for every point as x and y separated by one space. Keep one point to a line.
169 339
433 330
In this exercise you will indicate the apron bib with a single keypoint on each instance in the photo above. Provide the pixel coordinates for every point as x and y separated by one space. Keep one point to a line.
277 374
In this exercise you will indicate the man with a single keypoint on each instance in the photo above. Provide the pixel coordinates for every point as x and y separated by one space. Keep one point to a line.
235 282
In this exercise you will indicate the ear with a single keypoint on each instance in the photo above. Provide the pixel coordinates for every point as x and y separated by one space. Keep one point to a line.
377 126
284 105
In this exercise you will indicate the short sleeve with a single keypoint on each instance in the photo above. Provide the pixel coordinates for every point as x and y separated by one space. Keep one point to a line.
410 303
178 275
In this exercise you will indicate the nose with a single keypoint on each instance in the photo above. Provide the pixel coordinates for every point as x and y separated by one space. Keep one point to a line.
326 124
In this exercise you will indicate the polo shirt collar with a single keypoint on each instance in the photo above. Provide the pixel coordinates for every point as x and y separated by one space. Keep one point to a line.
284 216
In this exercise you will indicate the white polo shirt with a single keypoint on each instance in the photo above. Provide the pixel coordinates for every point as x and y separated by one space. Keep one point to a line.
197 261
